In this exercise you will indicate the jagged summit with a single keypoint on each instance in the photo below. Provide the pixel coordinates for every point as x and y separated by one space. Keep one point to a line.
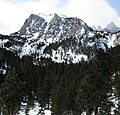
42 23
57 37
111 27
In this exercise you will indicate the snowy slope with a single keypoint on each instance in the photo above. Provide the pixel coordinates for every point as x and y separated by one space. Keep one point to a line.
60 38
32 110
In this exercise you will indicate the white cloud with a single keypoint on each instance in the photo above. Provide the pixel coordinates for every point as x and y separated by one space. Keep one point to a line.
93 12
13 15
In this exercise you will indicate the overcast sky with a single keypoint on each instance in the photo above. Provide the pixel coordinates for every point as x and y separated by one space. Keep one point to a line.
94 12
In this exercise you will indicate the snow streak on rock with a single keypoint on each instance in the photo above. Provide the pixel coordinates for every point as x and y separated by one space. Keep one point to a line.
60 38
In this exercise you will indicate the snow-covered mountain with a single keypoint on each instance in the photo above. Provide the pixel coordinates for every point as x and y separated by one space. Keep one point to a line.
111 27
57 37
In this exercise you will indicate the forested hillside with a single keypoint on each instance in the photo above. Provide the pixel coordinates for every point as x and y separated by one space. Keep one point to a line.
88 86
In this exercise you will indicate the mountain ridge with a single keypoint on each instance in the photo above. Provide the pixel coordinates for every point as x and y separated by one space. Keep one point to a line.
57 37
111 27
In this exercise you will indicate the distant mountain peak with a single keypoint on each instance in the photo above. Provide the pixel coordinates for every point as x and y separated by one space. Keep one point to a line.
99 28
111 27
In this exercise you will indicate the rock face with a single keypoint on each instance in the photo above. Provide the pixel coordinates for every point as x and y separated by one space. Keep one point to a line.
117 39
57 37
32 25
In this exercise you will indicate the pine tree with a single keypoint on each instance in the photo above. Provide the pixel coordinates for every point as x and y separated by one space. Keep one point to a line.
96 85
57 94
11 92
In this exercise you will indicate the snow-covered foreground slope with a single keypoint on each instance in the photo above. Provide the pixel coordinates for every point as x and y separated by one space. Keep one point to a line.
35 112
32 110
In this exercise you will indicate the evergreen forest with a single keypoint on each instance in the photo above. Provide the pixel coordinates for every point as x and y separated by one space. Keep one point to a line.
65 89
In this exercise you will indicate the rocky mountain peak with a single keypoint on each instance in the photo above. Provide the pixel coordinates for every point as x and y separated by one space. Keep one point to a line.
31 25
99 28
55 19
57 37
111 25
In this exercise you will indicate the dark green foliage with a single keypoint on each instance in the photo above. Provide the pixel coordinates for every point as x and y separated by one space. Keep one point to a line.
11 93
94 88
63 88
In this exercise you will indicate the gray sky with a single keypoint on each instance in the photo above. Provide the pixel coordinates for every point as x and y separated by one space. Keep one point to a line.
94 12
